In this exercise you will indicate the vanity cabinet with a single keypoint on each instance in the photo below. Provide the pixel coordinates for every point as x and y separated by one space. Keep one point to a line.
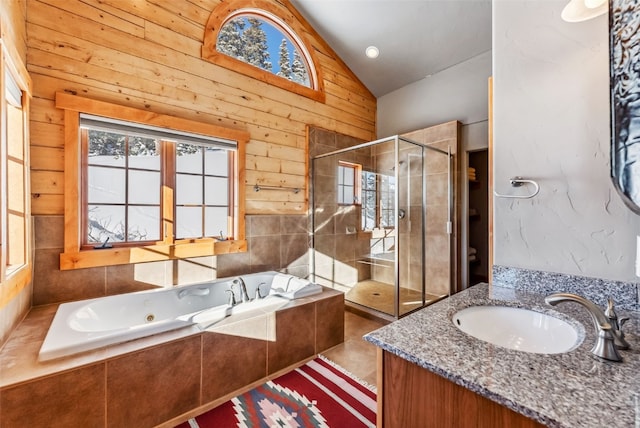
410 396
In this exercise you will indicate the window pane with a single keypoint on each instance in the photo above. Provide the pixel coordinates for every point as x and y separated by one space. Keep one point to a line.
16 238
349 174
106 185
144 187
106 221
188 189
106 148
188 158
144 223
216 191
216 222
260 42
348 195
143 153
216 162
188 222
369 218
14 180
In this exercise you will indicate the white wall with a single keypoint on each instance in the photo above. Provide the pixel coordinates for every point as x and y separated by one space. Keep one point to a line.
551 110
457 93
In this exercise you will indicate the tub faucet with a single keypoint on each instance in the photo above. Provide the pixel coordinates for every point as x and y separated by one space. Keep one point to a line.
193 292
232 298
258 293
605 346
244 296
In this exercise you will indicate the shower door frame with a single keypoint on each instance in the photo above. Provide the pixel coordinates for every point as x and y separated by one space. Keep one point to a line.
396 139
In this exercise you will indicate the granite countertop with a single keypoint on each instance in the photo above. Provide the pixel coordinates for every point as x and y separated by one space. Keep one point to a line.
574 389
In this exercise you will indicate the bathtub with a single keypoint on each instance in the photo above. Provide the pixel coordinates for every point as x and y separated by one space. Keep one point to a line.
95 323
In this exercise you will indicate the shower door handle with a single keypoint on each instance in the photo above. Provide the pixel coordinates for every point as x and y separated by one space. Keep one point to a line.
402 213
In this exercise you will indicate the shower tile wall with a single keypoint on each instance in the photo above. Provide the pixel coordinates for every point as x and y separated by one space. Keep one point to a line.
275 242
440 266
338 242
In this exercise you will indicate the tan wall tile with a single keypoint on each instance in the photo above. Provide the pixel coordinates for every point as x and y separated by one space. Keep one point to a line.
51 285
329 322
49 231
295 332
229 363
71 399
154 385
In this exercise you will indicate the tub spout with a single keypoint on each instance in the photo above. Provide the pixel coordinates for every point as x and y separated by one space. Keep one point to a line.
193 292
605 342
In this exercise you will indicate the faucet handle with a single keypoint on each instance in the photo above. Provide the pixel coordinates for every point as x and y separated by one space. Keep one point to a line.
232 298
616 325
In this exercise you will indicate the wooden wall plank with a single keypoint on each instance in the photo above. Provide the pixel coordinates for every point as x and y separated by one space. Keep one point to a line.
146 54
46 134
88 59
47 158
159 15
97 15
47 182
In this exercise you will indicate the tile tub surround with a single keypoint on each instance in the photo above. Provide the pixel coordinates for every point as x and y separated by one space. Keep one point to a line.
97 388
563 390
274 242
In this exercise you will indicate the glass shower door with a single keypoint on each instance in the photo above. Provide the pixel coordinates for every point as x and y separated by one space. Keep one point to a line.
410 219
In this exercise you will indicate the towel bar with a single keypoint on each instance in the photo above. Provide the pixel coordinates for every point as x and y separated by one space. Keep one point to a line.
517 182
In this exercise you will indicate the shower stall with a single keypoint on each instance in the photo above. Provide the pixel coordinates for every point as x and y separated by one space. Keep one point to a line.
381 219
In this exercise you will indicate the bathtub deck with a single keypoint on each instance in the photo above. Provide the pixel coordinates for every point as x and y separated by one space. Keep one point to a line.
198 360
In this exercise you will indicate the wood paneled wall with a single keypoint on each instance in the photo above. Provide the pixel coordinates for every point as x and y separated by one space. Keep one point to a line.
13 29
147 54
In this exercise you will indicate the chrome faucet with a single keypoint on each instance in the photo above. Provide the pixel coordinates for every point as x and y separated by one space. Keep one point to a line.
258 293
232 298
193 292
605 346
244 296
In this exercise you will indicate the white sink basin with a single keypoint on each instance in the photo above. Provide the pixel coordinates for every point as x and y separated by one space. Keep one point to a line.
519 329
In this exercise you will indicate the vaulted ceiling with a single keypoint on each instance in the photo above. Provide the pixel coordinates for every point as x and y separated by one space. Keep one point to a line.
416 38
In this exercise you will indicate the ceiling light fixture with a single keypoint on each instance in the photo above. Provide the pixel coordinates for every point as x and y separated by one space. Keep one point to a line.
582 10
372 52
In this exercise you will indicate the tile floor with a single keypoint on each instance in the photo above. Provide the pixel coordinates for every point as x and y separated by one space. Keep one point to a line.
354 354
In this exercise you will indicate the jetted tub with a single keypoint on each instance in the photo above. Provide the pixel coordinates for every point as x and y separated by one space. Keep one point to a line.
89 324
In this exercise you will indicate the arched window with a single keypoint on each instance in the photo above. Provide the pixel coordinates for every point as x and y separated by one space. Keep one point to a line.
255 41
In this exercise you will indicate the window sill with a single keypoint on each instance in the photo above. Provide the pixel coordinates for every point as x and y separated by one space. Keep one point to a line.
15 281
151 253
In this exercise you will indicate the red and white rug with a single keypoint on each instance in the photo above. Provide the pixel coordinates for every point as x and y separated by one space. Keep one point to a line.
318 394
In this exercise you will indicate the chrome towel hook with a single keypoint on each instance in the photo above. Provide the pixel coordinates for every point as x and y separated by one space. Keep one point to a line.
517 182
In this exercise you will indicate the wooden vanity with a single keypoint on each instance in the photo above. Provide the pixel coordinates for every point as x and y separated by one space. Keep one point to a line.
431 374
412 397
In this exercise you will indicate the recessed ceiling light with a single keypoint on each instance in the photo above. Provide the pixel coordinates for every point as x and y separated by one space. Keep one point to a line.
372 52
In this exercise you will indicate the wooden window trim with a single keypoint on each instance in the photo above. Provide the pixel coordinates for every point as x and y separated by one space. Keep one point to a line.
75 258
14 281
228 9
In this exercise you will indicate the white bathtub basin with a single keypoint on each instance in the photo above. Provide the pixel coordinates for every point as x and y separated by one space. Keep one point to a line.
518 329
94 323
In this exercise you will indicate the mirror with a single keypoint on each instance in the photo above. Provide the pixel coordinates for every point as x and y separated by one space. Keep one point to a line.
624 21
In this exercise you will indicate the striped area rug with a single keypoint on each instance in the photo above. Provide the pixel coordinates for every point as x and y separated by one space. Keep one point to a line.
317 394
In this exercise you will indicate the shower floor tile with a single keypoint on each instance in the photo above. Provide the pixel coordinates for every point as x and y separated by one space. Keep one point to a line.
379 296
